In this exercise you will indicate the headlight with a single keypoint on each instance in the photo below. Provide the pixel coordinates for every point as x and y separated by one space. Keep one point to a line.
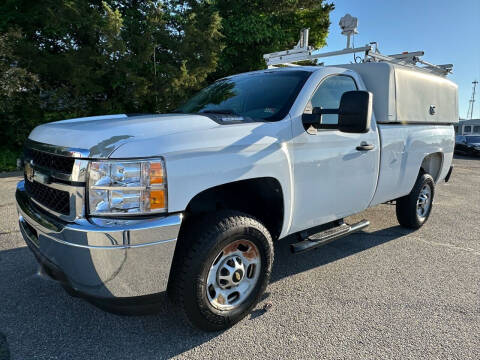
127 187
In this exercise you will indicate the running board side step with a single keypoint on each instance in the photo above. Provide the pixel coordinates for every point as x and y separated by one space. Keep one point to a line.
327 236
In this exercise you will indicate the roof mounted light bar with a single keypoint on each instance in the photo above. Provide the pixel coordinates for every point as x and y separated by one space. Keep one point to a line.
303 52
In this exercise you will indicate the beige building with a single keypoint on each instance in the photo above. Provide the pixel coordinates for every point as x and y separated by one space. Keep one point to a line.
468 127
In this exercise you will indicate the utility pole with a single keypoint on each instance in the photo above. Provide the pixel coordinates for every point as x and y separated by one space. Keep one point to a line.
471 103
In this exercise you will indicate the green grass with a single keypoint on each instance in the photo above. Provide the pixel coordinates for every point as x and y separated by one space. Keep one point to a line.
8 160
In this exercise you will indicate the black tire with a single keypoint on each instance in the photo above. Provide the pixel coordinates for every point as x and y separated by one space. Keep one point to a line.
201 242
406 207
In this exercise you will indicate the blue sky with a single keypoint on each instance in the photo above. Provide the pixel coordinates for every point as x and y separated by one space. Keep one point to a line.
448 32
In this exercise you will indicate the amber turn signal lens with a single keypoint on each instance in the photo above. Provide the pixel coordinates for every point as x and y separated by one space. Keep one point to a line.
156 173
157 199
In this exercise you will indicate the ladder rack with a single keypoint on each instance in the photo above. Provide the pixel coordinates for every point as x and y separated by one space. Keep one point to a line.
303 52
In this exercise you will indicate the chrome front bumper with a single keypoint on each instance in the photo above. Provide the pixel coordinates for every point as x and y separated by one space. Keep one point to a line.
102 258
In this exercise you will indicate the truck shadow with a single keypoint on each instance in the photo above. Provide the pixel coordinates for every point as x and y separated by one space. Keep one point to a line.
41 321
288 264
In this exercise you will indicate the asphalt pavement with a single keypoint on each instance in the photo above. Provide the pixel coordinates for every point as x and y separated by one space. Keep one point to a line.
384 293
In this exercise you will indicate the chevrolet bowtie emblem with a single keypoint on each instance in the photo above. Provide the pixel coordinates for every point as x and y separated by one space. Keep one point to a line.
29 171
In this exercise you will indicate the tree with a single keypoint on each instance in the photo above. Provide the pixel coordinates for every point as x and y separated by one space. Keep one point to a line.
100 57
252 28
17 91
69 58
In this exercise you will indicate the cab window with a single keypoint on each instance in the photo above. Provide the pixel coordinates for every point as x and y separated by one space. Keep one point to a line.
328 95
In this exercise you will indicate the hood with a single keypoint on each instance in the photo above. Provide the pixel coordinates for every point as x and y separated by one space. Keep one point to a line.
101 135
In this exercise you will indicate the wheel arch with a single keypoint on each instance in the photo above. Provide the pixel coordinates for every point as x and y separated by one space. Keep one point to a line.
432 164
260 197
268 208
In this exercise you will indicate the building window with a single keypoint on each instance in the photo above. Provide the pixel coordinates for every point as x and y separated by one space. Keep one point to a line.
467 129
476 129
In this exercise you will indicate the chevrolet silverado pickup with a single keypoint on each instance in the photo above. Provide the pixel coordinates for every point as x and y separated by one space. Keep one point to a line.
121 208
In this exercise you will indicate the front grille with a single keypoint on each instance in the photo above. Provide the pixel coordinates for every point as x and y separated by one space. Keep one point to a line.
54 199
50 161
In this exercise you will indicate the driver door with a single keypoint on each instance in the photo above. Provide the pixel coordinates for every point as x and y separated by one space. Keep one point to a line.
332 178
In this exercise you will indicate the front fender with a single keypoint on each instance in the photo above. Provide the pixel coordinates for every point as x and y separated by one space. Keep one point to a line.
198 161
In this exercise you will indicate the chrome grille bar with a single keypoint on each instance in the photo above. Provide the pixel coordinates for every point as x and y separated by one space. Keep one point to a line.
60 174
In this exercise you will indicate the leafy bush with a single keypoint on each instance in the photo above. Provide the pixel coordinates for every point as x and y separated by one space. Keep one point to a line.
8 160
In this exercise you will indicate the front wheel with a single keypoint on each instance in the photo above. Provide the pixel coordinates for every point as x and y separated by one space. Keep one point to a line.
414 209
224 269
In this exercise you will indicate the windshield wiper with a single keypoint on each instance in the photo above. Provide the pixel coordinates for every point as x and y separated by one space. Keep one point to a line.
232 116
219 111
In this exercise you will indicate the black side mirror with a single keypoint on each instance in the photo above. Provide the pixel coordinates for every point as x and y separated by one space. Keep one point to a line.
315 118
355 112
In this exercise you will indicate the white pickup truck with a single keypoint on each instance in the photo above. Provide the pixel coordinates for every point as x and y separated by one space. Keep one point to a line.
120 208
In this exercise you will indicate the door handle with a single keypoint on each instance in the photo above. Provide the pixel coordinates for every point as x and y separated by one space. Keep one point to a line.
364 146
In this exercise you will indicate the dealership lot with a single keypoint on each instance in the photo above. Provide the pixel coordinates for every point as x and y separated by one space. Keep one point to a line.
383 293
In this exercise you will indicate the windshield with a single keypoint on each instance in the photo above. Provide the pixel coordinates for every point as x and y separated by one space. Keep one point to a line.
473 139
252 96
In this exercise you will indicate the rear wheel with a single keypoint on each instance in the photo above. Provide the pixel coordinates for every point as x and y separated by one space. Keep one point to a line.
414 209
226 261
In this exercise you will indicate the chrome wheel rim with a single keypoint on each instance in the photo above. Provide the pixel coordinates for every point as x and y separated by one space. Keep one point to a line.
233 275
424 201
